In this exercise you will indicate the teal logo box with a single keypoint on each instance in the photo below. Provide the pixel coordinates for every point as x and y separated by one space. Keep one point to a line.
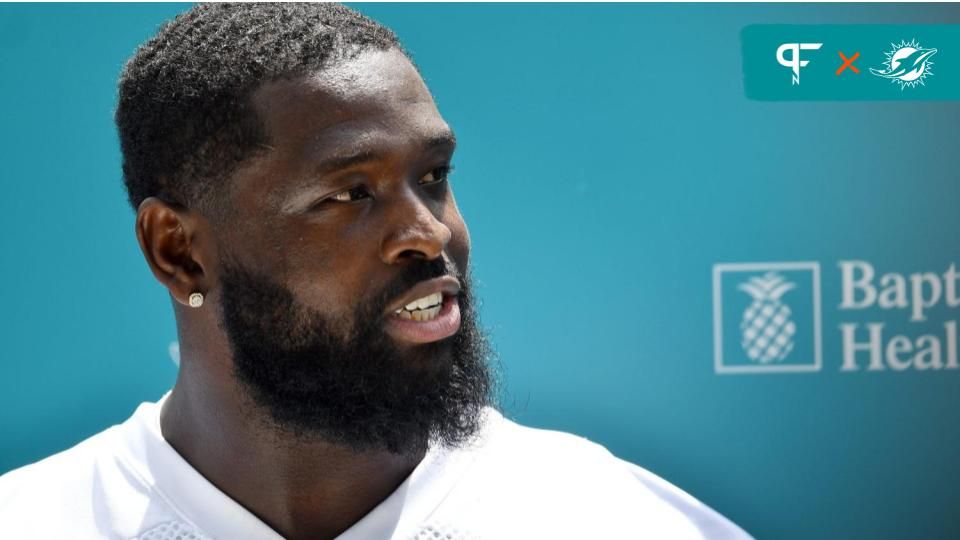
851 62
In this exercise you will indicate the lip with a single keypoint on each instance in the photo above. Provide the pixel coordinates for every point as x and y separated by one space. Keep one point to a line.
448 285
446 324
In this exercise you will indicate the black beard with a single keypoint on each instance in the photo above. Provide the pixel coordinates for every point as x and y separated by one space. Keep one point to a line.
361 390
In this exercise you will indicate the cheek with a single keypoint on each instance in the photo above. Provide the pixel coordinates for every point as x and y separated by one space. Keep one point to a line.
316 269
330 295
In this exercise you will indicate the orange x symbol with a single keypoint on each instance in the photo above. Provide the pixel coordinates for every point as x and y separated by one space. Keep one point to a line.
848 62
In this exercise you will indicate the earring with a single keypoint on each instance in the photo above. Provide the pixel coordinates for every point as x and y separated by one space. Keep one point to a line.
196 300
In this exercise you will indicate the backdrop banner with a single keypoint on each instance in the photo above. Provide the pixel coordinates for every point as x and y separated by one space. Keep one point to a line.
725 254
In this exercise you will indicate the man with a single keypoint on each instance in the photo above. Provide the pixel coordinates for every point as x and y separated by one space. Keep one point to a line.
289 171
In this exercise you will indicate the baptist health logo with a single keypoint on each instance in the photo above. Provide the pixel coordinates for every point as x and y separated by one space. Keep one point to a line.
767 317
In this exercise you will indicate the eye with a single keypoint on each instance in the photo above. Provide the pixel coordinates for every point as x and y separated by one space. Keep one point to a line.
350 195
436 175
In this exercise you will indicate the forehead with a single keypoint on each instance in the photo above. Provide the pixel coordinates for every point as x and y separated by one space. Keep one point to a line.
376 98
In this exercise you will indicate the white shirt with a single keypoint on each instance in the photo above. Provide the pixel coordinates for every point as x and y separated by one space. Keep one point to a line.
514 482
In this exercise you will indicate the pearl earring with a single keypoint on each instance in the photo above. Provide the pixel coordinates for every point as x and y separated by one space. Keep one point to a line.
196 300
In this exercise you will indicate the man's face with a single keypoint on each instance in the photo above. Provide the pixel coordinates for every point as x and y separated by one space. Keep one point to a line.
326 235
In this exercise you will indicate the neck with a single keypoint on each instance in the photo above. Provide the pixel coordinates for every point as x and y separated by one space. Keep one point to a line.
301 489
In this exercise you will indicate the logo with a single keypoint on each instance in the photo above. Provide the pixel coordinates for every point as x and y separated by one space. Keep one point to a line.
794 62
766 326
907 64
848 63
766 317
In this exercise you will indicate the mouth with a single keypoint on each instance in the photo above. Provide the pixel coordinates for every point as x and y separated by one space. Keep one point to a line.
429 312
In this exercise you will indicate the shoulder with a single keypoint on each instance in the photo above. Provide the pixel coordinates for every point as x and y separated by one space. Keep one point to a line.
548 447
88 491
536 478
554 457
38 498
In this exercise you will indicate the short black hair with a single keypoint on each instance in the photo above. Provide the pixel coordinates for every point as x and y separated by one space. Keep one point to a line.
184 115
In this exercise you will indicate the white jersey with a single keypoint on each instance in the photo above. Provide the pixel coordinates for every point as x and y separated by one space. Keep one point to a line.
513 482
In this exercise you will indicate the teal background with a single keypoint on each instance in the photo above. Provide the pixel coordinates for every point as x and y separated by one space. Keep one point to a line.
608 158
766 79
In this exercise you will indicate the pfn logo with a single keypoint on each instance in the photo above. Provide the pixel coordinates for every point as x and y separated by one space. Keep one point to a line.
794 62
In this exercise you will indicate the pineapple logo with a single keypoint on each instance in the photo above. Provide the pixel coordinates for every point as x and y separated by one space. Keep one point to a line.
766 326
754 328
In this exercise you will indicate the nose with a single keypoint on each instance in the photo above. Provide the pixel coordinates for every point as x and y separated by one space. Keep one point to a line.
413 231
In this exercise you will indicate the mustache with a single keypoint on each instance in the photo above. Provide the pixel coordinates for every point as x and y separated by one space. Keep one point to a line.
411 274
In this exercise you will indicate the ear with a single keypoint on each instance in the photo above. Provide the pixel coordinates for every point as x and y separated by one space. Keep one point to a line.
171 239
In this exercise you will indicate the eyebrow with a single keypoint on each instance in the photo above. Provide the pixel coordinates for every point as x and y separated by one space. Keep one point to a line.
335 163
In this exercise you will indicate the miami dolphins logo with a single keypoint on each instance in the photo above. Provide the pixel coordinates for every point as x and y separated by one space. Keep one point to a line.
907 64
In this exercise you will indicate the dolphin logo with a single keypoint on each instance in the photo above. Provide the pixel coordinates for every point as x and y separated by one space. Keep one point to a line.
907 64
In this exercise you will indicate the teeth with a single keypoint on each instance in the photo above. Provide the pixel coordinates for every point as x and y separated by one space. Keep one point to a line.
419 314
426 315
426 301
